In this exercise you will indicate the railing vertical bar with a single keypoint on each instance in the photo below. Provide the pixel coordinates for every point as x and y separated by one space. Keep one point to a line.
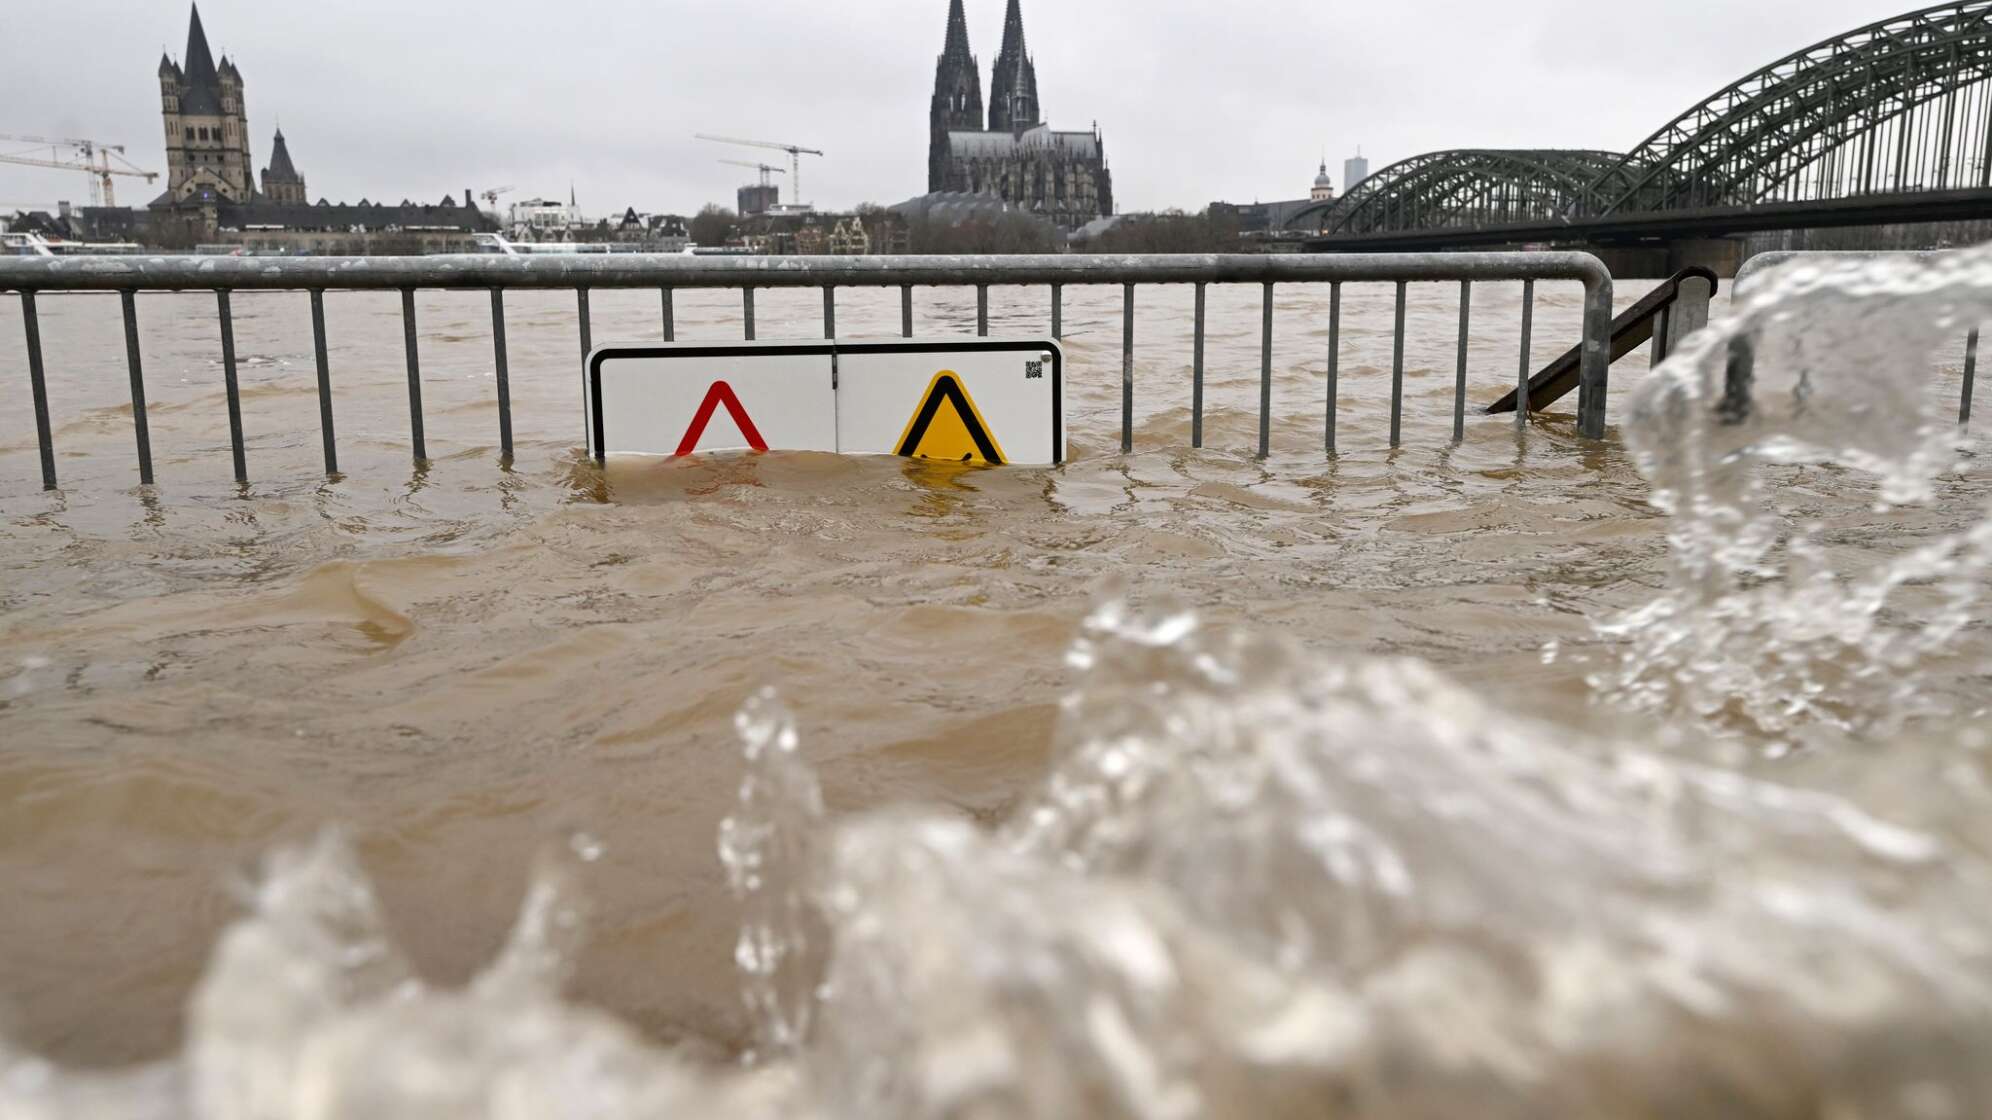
227 316
1459 369
38 387
1970 375
1266 372
1127 368
1057 311
1397 371
1595 370
324 381
132 361
906 311
747 310
829 311
587 322
415 436
982 310
1522 379
504 372
670 315
1197 374
1334 359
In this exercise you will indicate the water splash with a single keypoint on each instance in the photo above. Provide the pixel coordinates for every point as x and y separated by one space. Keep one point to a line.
1255 882
1763 626
763 845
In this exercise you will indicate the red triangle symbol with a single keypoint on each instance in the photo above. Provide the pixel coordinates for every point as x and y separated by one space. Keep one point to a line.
721 393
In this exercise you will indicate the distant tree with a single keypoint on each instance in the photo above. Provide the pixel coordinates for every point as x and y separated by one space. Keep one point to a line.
1002 233
1170 231
713 225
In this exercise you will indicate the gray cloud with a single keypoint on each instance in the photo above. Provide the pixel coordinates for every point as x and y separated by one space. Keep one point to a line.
1197 101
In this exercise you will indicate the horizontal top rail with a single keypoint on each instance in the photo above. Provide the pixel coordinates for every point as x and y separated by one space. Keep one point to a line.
477 271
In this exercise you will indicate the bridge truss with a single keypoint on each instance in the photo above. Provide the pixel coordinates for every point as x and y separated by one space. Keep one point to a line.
1897 107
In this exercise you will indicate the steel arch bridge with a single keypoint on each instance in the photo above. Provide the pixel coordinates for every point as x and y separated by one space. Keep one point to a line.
1894 108
1464 188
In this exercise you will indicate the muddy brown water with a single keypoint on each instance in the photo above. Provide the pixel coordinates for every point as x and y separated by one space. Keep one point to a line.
463 660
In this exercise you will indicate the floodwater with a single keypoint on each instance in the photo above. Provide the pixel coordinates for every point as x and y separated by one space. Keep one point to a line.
468 663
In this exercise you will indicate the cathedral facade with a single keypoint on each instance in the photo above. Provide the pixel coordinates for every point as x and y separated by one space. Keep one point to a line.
1010 153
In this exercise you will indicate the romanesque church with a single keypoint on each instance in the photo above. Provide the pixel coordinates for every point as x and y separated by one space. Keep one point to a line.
1061 176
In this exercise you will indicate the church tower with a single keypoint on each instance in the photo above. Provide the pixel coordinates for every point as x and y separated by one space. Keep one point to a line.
207 125
1013 97
957 96
281 181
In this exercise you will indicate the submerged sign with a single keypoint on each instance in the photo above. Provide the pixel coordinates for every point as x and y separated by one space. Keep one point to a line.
973 401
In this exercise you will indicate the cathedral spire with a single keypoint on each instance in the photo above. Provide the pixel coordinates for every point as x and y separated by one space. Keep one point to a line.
957 104
1013 100
956 46
1013 30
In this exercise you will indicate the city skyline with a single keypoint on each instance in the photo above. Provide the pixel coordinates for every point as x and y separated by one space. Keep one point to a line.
609 98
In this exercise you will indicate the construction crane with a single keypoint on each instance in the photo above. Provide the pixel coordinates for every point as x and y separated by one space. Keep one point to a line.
795 151
763 168
491 196
90 156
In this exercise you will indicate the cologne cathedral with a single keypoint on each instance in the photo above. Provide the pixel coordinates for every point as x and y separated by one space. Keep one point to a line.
1060 176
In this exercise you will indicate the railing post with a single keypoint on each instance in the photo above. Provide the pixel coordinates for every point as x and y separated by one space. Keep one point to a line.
139 426
982 310
38 387
1689 312
1459 372
1127 368
1334 359
1197 374
747 311
1970 375
503 370
1594 372
1397 371
1058 311
1527 361
906 311
670 315
227 317
415 436
324 381
829 311
1266 373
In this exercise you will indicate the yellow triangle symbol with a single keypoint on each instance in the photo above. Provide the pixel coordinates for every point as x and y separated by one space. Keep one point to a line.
947 426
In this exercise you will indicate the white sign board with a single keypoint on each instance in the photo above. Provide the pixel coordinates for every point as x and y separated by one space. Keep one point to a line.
980 401
958 400
677 399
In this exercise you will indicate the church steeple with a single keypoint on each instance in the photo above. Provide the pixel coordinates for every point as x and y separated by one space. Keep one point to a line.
957 101
203 83
1013 96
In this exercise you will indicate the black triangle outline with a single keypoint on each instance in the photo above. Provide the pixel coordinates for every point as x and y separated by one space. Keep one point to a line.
946 386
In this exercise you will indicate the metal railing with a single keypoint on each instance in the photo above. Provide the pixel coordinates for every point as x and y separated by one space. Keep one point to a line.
666 274
1742 359
1664 316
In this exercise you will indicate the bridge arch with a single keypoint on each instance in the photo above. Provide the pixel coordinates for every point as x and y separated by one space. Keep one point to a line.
1900 105
1462 187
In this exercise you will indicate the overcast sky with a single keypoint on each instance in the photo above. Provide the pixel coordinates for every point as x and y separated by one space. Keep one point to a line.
386 99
